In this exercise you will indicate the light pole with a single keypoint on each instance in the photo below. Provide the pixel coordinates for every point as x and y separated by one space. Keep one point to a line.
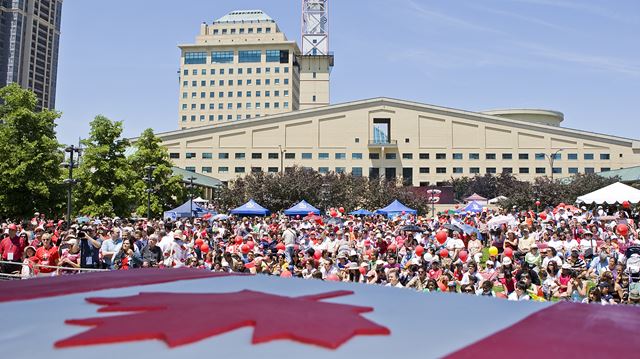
149 180
432 198
70 181
552 159
190 186
282 152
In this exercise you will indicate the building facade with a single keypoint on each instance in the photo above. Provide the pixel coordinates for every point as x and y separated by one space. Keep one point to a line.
29 42
422 144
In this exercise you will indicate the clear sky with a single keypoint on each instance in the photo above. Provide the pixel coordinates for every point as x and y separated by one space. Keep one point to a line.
120 58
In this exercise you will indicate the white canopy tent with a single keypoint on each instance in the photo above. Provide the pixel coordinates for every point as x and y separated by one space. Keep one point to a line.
200 200
614 193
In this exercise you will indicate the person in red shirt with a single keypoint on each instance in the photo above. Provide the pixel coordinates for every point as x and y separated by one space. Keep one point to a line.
11 249
47 255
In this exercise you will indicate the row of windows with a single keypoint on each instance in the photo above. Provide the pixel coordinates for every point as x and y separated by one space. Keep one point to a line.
221 94
249 82
242 30
392 156
357 171
523 156
239 71
230 106
193 118
244 56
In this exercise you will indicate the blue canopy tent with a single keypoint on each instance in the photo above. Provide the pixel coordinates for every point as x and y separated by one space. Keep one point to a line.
361 212
182 211
474 207
396 208
250 208
302 208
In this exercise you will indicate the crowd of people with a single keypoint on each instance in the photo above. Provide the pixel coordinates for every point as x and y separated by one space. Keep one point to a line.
559 254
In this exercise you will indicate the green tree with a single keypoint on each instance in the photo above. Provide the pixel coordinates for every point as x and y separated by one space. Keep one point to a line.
30 156
169 190
106 177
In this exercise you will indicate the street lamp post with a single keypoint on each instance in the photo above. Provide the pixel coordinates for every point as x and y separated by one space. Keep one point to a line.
70 181
552 159
191 187
149 180
282 152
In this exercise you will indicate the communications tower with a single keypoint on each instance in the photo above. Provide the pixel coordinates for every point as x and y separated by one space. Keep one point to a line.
316 60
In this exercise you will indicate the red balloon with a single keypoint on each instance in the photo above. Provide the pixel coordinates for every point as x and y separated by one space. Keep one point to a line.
403 213
333 214
204 248
508 252
419 250
280 246
199 242
626 204
463 255
623 230
444 253
392 247
317 254
363 270
297 216
286 274
341 209
441 236
244 248
537 203
251 244
543 215
238 239
333 278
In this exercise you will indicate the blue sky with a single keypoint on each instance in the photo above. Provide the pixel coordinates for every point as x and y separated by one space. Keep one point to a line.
119 58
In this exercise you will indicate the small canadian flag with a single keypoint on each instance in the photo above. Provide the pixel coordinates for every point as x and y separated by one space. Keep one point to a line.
166 313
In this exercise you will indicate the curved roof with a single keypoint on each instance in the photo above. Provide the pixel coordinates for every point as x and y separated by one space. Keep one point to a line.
244 16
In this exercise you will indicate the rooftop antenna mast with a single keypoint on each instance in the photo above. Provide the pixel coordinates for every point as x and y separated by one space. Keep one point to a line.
315 27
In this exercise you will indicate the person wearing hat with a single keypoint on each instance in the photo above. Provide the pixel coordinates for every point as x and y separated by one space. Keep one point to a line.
47 255
178 251
70 256
11 250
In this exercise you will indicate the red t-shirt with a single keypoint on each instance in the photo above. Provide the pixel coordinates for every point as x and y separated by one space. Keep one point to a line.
48 257
12 249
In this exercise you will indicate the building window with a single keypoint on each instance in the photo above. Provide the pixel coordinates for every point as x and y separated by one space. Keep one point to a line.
207 155
540 157
192 58
256 156
507 170
190 155
407 156
557 170
174 155
491 170
457 156
507 156
374 156
273 55
341 169
272 169
223 156
206 170
588 156
474 156
273 156
441 170
190 169
249 56
424 156
605 156
490 156
239 169
424 170
290 156
573 170
457 170
389 156
523 170
307 156
222 57
557 156
441 156
523 156
323 156
356 171
474 170
605 169
256 169
589 170
341 156
541 170
323 170
572 156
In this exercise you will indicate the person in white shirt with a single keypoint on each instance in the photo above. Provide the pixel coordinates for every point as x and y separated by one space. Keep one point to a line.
454 245
178 251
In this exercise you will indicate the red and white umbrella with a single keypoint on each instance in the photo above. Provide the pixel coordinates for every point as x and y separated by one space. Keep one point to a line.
193 313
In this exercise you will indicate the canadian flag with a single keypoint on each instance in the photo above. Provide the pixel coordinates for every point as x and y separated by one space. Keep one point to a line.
173 313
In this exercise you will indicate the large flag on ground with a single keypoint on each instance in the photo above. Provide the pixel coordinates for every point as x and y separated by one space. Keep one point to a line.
184 313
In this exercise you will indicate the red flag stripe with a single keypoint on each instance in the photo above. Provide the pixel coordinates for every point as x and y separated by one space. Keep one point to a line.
81 283
566 330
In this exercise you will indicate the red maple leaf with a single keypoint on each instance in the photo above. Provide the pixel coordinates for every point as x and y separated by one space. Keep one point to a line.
184 318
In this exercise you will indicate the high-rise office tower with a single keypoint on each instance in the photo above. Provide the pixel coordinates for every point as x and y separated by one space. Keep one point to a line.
29 40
